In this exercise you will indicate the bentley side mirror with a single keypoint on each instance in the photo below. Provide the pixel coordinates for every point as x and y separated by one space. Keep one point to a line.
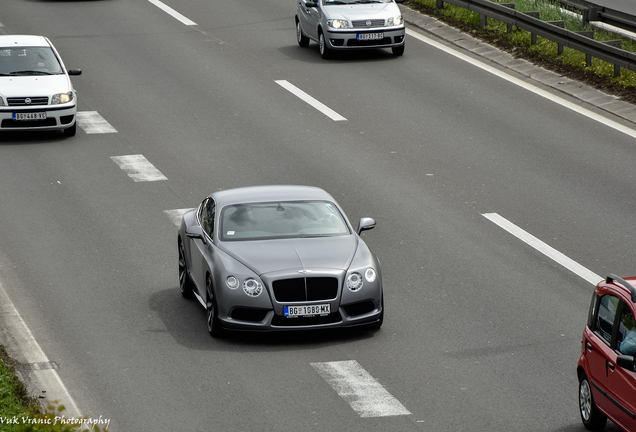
626 362
195 232
366 223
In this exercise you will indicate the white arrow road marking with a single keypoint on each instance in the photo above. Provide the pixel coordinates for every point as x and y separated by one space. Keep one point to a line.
175 215
310 100
354 384
138 168
548 251
172 12
93 123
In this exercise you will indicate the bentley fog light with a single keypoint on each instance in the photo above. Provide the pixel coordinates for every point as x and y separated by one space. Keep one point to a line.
232 282
395 21
369 275
61 98
338 23
354 281
252 287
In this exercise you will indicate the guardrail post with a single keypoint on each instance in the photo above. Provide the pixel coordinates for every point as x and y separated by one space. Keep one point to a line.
511 6
588 57
617 44
562 25
533 36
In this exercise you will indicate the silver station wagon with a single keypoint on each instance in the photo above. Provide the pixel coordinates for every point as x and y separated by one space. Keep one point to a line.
350 24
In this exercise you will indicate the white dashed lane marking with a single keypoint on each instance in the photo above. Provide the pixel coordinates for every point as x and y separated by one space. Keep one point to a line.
167 9
356 386
93 123
175 215
138 168
548 251
310 100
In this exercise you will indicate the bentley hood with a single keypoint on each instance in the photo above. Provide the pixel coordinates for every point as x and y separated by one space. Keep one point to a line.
266 256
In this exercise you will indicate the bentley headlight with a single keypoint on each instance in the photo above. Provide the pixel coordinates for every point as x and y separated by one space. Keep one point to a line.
232 282
252 287
61 98
354 281
338 23
370 275
395 21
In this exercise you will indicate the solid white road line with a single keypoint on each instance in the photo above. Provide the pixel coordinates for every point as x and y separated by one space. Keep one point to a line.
172 12
310 100
18 334
93 123
138 168
354 384
534 89
548 251
175 215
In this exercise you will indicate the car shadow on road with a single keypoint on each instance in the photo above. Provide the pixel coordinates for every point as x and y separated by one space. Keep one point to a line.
185 320
31 137
312 55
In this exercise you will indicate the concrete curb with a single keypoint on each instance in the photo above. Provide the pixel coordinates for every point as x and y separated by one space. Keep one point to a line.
35 370
611 104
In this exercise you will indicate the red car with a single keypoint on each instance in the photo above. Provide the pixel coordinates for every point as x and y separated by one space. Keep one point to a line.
606 368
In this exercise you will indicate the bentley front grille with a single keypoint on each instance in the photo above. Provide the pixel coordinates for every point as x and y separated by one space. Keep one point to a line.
305 289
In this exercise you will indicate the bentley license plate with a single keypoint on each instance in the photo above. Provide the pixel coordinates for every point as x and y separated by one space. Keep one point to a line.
370 36
29 116
296 311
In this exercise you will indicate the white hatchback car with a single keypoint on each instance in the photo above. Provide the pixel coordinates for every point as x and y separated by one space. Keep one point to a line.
35 89
350 24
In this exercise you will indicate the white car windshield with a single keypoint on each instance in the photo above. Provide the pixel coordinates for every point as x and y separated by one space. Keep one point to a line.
347 2
258 221
29 61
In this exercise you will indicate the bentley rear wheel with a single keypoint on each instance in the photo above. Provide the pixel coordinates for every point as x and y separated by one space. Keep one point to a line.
185 284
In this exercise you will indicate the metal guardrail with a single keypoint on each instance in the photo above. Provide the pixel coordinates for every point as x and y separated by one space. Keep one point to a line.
593 12
551 30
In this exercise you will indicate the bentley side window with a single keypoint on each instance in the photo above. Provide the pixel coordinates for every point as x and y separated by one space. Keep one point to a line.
209 210
605 318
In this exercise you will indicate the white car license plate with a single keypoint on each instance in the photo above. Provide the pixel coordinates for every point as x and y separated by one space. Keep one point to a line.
296 311
29 116
370 36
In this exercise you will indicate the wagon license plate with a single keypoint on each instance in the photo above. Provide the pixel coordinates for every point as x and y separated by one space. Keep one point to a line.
29 116
297 311
370 36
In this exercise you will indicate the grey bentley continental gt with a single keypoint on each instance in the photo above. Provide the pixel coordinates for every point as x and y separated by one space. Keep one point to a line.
271 258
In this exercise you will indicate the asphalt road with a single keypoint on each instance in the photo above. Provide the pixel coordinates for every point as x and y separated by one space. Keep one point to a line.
481 333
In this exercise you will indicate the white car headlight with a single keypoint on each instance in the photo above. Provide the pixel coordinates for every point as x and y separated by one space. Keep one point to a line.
395 21
2 101
252 287
354 281
232 282
338 23
370 275
61 98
